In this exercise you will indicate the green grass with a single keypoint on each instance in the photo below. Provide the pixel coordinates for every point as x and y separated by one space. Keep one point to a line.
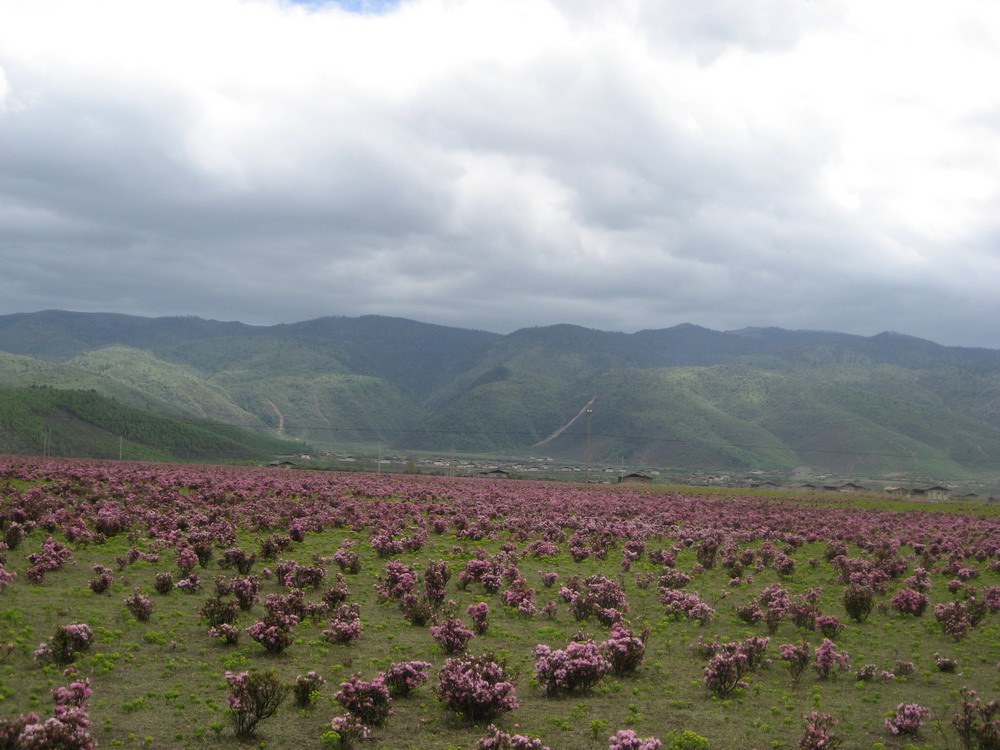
163 679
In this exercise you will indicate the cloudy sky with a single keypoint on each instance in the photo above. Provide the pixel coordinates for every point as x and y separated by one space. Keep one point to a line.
496 164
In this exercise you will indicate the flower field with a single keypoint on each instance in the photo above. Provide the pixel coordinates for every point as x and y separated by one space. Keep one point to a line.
165 606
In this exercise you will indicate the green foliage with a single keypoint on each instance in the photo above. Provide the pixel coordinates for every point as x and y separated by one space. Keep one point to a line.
84 423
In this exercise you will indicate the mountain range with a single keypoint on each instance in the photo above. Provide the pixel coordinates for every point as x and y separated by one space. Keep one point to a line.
755 398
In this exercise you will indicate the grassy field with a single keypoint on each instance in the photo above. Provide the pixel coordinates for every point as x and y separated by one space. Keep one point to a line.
161 683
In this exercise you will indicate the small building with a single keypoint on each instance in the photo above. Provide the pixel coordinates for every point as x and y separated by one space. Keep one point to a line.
635 478
495 474
765 485
281 464
937 492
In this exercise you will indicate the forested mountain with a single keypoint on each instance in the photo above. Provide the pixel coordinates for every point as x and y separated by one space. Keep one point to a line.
684 396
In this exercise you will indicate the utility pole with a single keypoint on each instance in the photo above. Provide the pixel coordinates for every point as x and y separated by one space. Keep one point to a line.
586 450
121 440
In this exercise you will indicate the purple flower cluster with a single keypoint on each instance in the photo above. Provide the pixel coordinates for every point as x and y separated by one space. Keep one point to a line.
452 636
819 733
480 615
908 719
274 632
66 643
403 677
575 669
345 624
910 602
829 660
347 559
236 557
349 729
679 604
229 634
398 580
477 687
102 579
369 700
52 557
140 606
797 656
66 728
626 739
306 688
623 650
498 740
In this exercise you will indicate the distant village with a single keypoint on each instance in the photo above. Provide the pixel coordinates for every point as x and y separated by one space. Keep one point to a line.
539 467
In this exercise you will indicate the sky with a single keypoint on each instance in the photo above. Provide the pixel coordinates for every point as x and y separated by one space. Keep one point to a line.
500 164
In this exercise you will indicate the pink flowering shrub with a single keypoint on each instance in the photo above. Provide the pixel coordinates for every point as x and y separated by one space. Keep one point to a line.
7 577
348 729
66 643
944 663
829 661
549 579
958 617
163 583
908 719
724 673
191 584
187 560
140 606
403 677
479 613
67 728
369 700
235 557
52 557
274 632
626 739
819 733
345 624
228 634
910 602
829 626
246 590
397 580
477 687
623 650
253 698
797 656
306 688
575 669
498 740
347 559
102 579
436 577
977 723
452 636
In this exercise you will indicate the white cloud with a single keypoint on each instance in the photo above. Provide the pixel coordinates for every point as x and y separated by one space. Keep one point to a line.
501 163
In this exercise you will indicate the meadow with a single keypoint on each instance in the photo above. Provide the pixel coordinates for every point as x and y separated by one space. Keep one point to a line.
137 600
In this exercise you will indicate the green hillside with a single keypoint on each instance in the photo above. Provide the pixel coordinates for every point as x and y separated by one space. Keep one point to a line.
756 398
324 408
75 423
180 387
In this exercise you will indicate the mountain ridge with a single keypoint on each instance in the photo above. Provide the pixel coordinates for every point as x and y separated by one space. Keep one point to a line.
689 395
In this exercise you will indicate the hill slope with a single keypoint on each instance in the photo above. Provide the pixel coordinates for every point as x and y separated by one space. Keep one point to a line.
686 395
40 421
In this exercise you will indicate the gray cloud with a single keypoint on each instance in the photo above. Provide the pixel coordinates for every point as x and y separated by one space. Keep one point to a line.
498 165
